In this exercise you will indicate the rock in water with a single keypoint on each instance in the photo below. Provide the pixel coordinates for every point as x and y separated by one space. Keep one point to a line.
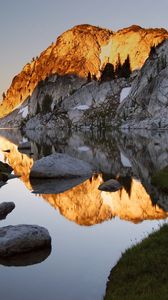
110 186
5 168
5 209
60 165
23 238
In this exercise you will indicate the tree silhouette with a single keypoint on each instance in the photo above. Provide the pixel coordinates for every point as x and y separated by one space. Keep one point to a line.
89 77
108 72
126 68
123 70
152 51
118 69
3 95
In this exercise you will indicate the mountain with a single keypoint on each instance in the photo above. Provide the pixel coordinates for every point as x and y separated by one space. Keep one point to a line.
82 51
146 106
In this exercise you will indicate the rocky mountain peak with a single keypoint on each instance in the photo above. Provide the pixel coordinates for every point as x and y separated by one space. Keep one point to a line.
79 51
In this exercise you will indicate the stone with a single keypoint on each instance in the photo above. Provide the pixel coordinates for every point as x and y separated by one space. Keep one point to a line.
110 186
5 168
5 209
23 238
60 165
3 177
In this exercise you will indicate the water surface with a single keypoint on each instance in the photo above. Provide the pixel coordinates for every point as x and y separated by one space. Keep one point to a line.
89 229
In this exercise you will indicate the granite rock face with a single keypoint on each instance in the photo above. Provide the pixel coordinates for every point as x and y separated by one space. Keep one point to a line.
147 104
23 238
84 104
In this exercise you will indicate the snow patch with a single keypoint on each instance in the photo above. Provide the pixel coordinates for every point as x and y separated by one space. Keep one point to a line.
125 161
24 140
81 107
24 111
124 93
83 148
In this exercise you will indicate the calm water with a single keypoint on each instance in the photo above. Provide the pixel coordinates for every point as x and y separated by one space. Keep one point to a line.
89 229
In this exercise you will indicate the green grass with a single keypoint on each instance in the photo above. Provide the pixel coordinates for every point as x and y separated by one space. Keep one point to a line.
142 271
160 179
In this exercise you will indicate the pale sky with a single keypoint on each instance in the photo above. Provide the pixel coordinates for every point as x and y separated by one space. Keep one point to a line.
27 27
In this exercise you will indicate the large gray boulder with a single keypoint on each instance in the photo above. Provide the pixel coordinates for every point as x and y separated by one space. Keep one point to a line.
23 238
5 209
60 165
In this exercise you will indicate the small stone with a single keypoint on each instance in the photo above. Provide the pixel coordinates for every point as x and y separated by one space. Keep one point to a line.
5 209
111 185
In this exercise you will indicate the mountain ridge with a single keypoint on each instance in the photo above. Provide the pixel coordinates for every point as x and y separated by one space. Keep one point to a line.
82 50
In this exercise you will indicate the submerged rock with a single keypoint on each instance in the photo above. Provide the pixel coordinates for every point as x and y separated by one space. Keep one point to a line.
23 238
110 186
5 209
60 165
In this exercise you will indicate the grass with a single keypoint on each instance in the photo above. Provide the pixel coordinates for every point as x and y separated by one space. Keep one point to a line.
142 271
160 179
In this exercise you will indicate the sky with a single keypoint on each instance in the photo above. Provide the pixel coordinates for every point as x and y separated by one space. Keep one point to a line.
29 27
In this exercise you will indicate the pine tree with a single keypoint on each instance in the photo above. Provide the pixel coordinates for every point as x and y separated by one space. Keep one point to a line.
118 69
126 68
108 72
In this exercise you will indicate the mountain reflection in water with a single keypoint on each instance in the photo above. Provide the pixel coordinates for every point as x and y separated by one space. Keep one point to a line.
130 158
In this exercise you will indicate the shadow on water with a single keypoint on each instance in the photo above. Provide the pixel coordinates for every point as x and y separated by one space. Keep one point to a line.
26 259
54 186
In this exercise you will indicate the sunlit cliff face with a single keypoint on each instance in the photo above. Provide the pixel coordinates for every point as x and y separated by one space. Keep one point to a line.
85 204
81 50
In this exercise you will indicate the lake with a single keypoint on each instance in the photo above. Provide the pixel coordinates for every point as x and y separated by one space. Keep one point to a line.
90 229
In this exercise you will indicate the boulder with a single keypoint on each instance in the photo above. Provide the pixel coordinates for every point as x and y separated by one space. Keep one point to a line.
111 185
5 209
23 238
60 165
